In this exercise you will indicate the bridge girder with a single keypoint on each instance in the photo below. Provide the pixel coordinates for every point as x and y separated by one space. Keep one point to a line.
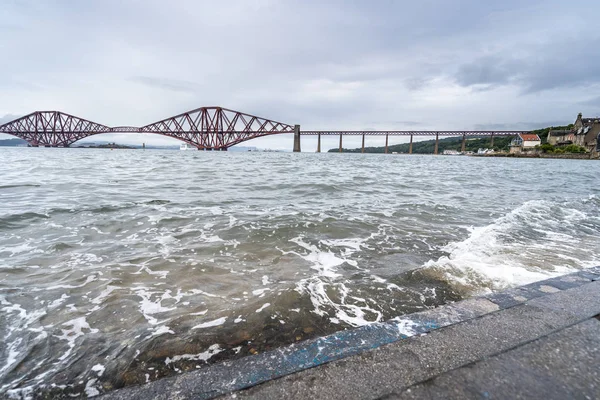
52 128
206 128
214 128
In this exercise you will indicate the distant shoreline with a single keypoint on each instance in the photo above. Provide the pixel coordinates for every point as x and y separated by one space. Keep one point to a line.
573 156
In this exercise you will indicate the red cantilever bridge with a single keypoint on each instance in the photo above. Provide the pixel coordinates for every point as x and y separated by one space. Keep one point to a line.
207 128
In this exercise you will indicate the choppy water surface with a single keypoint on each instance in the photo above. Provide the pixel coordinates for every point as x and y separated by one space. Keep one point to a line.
119 267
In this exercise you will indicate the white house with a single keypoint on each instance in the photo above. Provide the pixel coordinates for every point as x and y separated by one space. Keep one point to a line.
524 141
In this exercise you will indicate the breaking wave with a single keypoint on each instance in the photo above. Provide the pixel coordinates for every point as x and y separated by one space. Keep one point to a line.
535 241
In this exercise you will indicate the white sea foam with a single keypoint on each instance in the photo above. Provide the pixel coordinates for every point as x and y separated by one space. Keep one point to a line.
104 294
12 356
76 330
524 246
347 309
59 301
202 292
161 330
352 245
25 393
265 280
25 318
90 389
99 369
149 307
204 356
210 238
325 262
263 307
79 259
161 274
89 279
406 326
19 249
260 292
209 324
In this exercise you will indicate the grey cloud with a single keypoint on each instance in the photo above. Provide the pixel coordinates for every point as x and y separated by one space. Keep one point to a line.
416 83
565 63
402 123
332 64
166 84
7 118
593 101
516 126
488 71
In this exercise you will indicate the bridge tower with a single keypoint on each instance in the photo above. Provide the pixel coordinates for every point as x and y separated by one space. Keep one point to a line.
297 139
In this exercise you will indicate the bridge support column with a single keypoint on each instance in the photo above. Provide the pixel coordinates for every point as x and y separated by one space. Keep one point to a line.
410 145
437 142
319 143
386 144
297 139
492 141
462 146
340 142
363 143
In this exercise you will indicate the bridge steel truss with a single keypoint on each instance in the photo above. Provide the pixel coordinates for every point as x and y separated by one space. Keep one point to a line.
212 128
206 128
216 128
52 128
437 135
412 133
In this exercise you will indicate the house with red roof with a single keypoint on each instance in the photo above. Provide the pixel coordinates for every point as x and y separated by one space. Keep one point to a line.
524 142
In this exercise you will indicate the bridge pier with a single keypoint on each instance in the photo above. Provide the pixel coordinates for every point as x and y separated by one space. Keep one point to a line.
386 144
492 141
340 142
462 146
319 143
437 142
297 139
410 145
363 143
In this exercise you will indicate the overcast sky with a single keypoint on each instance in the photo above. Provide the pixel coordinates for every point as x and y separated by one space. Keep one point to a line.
428 64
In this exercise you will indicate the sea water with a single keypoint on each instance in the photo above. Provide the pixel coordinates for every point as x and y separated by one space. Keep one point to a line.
121 267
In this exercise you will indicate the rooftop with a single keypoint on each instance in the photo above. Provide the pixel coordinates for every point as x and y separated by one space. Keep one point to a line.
590 120
559 132
530 137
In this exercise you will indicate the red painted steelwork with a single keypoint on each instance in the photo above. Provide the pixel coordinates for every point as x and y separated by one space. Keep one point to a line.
214 128
52 128
416 133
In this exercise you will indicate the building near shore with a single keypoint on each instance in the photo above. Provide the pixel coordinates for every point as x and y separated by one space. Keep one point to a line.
524 142
449 152
586 132
561 137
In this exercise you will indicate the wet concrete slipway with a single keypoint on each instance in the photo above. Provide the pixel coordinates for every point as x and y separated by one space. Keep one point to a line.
541 340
